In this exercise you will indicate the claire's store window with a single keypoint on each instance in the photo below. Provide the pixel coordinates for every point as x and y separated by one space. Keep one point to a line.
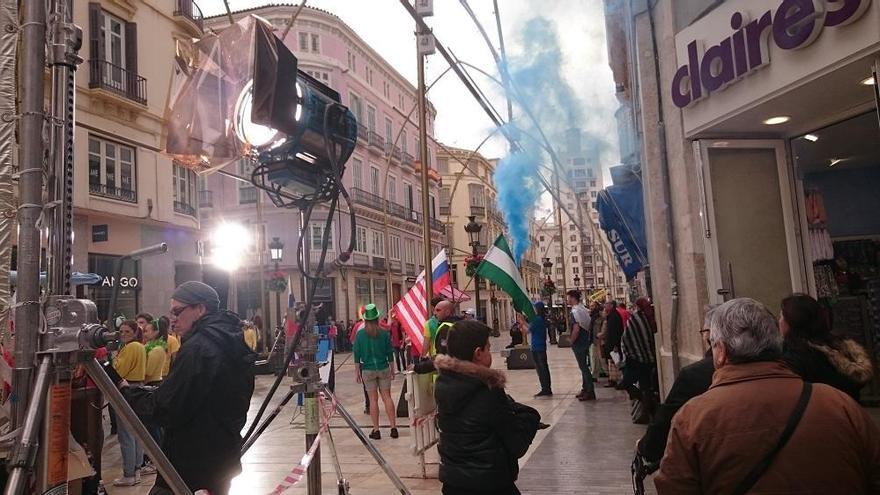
128 302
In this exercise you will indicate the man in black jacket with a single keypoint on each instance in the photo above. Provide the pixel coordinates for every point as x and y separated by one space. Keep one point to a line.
203 402
483 431
692 380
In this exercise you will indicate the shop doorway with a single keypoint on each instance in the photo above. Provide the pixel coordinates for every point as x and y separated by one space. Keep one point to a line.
749 225
838 168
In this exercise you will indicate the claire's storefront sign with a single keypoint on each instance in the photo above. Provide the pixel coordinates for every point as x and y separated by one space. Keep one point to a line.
792 25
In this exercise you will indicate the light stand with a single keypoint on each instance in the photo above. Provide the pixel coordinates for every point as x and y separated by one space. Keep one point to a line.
473 229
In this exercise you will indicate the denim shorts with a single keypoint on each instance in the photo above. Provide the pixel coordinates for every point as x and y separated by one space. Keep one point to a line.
378 379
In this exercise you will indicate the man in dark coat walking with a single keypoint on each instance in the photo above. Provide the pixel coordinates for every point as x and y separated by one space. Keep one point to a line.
203 402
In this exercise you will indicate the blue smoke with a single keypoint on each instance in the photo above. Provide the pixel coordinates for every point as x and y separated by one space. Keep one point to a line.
518 192
537 75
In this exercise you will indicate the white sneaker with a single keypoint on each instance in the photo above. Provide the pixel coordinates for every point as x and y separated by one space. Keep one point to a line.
148 469
127 481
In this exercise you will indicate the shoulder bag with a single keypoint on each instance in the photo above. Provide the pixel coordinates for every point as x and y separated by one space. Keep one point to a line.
761 467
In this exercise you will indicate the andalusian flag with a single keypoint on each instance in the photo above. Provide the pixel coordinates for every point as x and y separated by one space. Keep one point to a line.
498 267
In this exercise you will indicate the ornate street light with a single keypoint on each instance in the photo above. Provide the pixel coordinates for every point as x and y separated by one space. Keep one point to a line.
276 253
473 229
577 282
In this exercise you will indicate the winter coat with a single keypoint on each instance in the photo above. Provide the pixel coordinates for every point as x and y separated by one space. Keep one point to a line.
613 333
844 364
483 431
719 436
692 381
203 403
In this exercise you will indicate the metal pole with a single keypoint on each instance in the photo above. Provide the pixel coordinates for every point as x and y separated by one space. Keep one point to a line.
30 190
25 454
423 157
505 75
475 250
131 421
277 303
266 422
310 399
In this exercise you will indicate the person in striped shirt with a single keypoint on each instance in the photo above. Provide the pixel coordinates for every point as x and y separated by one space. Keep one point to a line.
639 352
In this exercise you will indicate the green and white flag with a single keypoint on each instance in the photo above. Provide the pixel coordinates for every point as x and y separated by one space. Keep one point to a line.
498 267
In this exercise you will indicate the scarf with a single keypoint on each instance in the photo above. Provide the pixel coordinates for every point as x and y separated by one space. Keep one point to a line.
156 343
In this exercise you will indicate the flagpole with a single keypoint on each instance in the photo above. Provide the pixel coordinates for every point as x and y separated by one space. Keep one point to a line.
561 248
423 157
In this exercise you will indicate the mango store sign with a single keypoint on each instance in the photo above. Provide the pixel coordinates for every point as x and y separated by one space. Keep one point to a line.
793 25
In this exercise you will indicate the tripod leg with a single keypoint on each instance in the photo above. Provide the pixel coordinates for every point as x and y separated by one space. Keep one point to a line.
25 454
402 489
266 422
131 421
341 482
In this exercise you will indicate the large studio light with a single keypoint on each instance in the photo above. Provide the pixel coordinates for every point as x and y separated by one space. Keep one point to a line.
243 95
229 245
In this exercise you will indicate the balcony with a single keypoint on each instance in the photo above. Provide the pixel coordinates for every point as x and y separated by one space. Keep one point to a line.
113 192
395 266
444 210
396 153
107 76
368 199
206 199
437 224
532 266
184 208
407 159
376 141
315 257
360 260
363 134
411 269
378 263
190 11
479 211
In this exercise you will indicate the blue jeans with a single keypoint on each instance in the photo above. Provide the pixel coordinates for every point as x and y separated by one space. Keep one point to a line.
132 451
543 369
581 355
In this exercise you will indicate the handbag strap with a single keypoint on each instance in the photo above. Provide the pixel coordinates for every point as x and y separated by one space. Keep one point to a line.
761 467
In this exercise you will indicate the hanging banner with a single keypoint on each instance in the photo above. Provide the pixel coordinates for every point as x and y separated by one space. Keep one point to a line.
622 216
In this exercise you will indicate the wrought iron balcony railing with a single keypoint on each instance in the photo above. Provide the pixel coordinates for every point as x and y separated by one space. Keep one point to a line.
105 75
113 192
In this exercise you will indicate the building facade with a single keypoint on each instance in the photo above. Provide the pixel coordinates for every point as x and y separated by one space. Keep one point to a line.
759 152
468 190
383 178
127 194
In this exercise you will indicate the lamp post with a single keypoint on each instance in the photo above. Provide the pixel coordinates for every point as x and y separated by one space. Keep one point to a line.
577 282
276 252
473 229
548 272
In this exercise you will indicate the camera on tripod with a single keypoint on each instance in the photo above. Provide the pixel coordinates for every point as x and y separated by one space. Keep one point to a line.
72 325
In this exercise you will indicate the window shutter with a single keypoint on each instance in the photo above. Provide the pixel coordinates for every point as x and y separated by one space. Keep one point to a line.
131 47
96 37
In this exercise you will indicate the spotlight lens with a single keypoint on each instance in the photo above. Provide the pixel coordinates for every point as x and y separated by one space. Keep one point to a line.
868 81
777 120
256 135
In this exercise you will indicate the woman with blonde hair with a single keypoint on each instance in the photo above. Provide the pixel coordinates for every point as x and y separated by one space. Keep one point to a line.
374 361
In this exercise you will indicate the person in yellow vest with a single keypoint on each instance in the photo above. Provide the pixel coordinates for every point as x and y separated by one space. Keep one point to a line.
443 310
250 335
173 346
131 365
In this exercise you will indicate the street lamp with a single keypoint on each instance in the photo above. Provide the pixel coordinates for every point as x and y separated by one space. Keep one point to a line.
577 282
473 229
548 271
276 252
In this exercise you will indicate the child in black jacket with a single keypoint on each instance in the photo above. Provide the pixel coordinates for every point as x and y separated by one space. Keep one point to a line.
483 431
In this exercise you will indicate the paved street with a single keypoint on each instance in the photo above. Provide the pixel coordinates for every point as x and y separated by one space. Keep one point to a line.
587 450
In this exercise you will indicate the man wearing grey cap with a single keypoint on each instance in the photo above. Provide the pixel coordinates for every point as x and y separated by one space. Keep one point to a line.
203 403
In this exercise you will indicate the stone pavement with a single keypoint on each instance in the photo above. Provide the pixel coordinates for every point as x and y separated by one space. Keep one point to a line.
587 449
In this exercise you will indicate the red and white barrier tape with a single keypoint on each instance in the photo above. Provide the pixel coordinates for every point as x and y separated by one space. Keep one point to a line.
298 472
424 419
